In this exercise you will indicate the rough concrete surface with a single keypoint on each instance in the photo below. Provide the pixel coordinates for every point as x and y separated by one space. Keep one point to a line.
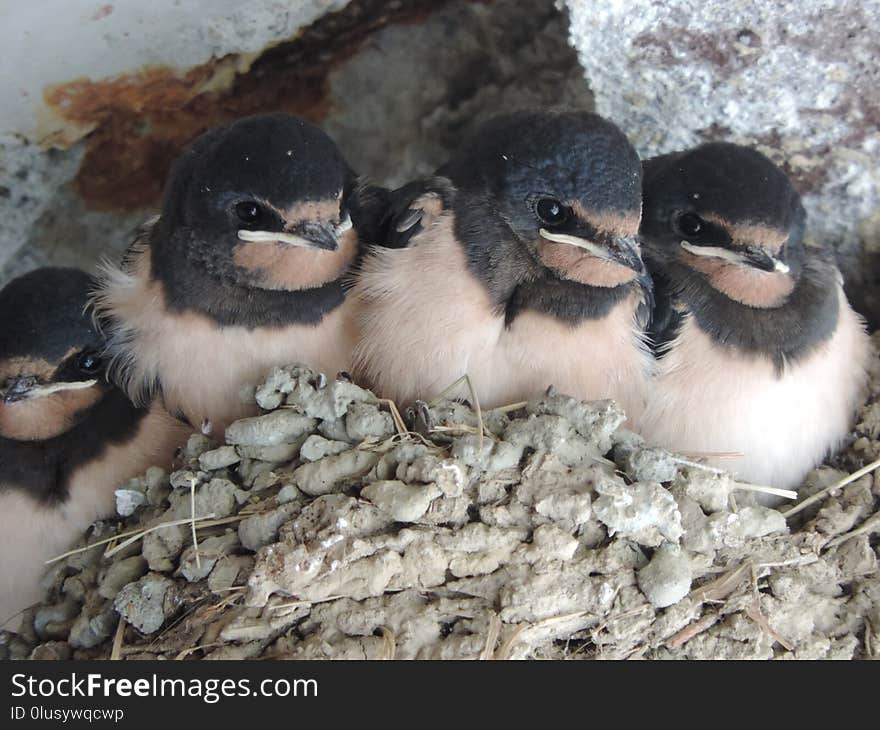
324 529
798 79
545 537
395 83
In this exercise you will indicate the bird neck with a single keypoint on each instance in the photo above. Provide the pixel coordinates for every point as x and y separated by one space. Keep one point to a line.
518 281
189 287
807 317
43 468
565 300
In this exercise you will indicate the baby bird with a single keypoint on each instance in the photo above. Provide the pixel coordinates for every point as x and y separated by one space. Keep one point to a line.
517 264
68 439
242 271
759 352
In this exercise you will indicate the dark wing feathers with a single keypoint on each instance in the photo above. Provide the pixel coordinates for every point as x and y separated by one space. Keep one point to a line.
407 208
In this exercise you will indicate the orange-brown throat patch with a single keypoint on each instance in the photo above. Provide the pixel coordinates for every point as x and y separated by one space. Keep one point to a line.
579 265
27 366
37 419
279 266
573 263
742 283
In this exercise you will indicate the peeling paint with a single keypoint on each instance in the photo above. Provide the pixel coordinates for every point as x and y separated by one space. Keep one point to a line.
137 123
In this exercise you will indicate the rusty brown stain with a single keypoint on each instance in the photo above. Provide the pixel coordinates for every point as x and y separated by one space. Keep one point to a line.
142 121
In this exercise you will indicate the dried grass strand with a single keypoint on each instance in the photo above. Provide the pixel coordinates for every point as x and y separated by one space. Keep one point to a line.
820 495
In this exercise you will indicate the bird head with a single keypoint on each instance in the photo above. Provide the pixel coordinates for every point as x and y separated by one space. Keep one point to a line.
261 202
566 184
729 214
51 369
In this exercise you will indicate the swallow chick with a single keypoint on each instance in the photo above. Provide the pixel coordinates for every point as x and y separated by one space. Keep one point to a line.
517 264
68 439
760 354
242 271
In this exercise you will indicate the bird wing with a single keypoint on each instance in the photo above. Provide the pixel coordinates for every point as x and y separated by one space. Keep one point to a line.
368 205
414 207
666 315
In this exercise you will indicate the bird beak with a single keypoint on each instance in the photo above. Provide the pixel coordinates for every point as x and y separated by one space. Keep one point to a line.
623 250
762 260
26 387
322 235
752 256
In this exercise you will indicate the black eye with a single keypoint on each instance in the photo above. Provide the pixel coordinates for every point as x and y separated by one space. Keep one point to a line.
551 211
88 363
690 224
249 211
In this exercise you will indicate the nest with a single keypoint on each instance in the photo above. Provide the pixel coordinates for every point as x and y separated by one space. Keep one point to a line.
324 528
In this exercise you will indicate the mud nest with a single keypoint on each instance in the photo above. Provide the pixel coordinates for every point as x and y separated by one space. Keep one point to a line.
332 527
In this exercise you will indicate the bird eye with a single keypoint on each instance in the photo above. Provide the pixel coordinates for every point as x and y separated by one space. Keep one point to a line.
88 362
690 224
249 211
551 211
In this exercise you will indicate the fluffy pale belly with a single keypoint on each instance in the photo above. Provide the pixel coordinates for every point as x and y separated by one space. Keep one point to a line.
204 368
594 360
413 349
706 399
510 365
31 534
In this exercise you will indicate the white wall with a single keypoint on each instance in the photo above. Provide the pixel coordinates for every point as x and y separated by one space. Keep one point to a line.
48 42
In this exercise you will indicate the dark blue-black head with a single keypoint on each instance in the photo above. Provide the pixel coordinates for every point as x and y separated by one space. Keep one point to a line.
721 206
568 185
50 363
262 201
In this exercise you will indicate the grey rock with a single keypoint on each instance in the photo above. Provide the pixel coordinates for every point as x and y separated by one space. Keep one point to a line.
196 445
328 474
219 458
595 420
217 497
317 447
278 427
272 454
260 529
667 578
128 501
120 574
796 79
158 486
147 603
186 478
495 455
50 620
645 512
89 629
365 420
334 430
403 502
553 434
288 493
161 547
226 570
211 549
650 465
